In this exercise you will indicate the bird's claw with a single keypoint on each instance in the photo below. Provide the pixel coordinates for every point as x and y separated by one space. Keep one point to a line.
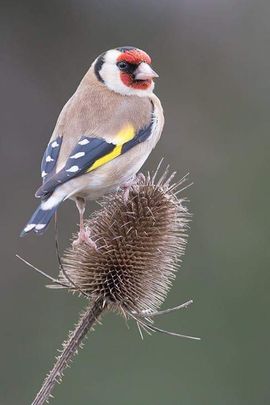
84 237
139 178
126 193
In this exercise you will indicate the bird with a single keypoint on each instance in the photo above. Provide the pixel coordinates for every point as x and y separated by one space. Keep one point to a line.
102 137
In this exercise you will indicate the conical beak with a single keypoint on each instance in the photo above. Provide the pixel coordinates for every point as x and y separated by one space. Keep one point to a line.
144 72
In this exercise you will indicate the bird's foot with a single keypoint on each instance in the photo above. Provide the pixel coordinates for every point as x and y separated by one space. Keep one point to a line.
140 178
84 237
126 188
126 193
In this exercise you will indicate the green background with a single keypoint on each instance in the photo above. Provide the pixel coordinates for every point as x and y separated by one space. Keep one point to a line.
213 61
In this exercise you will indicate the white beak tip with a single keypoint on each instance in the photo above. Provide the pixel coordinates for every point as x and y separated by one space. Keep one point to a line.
145 72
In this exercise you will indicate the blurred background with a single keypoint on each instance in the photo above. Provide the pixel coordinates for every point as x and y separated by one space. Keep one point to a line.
213 60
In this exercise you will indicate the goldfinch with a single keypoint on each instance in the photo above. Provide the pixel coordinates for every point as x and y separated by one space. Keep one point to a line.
102 137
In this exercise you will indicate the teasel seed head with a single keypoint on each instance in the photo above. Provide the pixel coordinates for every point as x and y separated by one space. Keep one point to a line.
140 243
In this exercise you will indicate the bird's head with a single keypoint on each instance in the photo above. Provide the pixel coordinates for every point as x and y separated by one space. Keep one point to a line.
126 70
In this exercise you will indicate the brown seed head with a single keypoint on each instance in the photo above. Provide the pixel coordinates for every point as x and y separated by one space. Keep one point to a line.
139 245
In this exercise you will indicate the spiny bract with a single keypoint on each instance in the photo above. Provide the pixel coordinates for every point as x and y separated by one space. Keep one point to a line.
139 243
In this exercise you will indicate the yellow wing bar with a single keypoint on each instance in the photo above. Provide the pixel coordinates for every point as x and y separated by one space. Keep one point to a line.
105 159
124 135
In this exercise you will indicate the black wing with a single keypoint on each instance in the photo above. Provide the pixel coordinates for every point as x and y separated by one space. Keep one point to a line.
89 154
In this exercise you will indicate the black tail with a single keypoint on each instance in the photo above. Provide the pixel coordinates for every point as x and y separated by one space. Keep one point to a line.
39 220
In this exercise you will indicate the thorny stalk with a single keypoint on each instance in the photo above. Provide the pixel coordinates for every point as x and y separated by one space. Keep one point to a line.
70 348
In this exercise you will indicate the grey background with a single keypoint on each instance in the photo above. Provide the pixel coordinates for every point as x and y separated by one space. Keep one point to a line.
213 60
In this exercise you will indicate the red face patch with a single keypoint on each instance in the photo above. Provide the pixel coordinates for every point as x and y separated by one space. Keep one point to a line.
128 80
134 56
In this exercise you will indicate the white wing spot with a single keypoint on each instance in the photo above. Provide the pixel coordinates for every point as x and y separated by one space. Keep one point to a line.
43 174
83 142
38 227
73 169
77 155
55 144
49 159
29 227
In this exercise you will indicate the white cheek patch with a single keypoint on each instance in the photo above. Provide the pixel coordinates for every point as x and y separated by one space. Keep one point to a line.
111 76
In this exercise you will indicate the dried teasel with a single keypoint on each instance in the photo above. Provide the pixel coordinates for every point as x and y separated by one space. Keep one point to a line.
139 243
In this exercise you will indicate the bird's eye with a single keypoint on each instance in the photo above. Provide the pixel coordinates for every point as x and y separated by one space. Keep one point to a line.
122 65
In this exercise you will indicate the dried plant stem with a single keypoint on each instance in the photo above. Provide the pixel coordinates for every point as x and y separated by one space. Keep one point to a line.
70 348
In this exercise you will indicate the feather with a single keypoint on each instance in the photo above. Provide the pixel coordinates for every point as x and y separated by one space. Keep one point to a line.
40 220
91 153
48 163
